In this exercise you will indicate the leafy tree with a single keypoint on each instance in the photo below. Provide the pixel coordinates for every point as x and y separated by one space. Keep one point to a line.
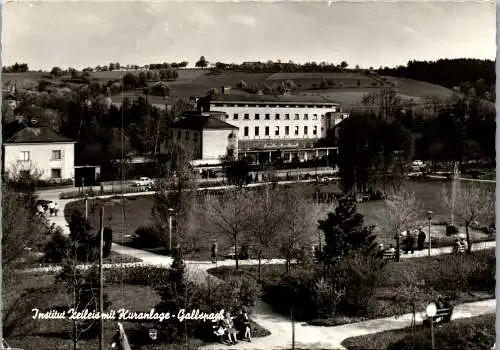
56 71
344 64
345 233
202 62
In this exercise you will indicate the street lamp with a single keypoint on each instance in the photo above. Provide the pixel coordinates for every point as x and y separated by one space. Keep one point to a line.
170 215
429 216
431 311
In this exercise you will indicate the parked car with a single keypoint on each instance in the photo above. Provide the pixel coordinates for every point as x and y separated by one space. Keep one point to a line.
143 182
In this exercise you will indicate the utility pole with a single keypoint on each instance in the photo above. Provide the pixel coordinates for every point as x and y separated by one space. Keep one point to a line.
86 208
101 296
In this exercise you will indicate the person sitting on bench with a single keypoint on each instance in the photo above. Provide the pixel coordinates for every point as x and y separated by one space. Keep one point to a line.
230 330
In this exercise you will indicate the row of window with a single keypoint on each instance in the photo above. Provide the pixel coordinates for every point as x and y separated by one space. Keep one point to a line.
270 106
26 155
277 116
246 131
187 135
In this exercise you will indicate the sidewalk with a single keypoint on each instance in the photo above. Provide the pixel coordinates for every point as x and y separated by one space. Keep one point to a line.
317 337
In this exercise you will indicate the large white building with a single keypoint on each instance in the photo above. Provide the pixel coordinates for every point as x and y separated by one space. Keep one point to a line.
39 152
272 127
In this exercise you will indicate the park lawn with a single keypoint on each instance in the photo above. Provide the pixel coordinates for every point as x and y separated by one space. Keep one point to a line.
482 328
437 271
53 334
137 212
113 258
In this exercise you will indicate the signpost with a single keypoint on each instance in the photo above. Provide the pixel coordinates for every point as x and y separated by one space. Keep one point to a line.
431 311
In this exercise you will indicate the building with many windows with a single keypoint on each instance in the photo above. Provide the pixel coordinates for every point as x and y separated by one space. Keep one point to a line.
40 152
272 127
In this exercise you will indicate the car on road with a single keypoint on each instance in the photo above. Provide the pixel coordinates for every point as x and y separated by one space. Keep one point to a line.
143 182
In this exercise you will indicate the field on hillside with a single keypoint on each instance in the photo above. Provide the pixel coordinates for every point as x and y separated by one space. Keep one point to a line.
184 74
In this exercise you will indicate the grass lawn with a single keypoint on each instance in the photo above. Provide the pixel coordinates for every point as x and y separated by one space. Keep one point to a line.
438 272
136 211
53 334
483 330
113 258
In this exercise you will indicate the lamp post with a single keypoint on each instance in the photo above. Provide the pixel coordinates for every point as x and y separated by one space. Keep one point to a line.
170 214
431 311
429 216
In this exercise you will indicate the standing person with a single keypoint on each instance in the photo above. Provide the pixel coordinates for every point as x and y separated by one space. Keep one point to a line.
51 207
56 209
421 239
244 322
214 253
410 242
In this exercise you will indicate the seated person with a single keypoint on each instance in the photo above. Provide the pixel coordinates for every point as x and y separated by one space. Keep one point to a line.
220 330
464 244
230 330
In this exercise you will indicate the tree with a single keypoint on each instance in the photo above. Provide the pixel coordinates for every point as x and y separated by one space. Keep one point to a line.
345 233
471 202
344 64
202 62
400 213
56 71
229 214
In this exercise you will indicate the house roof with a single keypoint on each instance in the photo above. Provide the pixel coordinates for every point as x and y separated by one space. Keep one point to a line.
37 135
302 99
201 122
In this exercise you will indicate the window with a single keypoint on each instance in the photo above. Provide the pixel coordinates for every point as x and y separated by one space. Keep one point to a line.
25 155
297 117
315 117
287 116
305 130
268 116
245 131
246 116
235 116
306 116
187 135
287 130
267 131
277 116
195 137
315 130
256 131
296 130
227 116
25 174
55 173
56 155
277 131
257 116
322 117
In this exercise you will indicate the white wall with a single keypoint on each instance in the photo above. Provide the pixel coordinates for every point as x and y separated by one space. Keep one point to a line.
251 123
40 159
216 142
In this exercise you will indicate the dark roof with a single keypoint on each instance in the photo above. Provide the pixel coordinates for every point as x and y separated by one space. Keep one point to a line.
302 99
200 122
40 134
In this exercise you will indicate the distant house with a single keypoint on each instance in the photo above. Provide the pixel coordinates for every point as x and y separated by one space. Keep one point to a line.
207 136
38 151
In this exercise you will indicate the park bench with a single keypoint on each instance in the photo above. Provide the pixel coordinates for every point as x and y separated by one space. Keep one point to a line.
390 255
442 316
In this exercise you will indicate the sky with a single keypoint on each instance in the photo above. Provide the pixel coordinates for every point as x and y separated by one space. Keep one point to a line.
80 34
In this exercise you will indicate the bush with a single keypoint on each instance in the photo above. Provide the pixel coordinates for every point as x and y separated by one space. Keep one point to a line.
57 247
475 335
148 236
137 275
451 230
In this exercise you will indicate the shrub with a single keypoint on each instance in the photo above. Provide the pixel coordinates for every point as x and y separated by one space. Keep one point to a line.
451 230
471 335
327 297
148 236
137 275
56 248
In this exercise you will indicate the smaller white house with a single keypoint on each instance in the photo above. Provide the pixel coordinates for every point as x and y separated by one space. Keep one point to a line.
206 136
41 152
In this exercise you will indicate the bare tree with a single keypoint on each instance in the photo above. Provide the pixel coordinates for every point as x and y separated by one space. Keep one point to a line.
471 202
401 213
299 221
227 214
265 220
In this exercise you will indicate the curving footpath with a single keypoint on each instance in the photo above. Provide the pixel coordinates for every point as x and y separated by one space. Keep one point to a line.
306 336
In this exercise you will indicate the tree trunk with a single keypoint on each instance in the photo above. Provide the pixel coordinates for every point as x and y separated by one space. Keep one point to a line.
259 271
469 245
236 252
398 249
